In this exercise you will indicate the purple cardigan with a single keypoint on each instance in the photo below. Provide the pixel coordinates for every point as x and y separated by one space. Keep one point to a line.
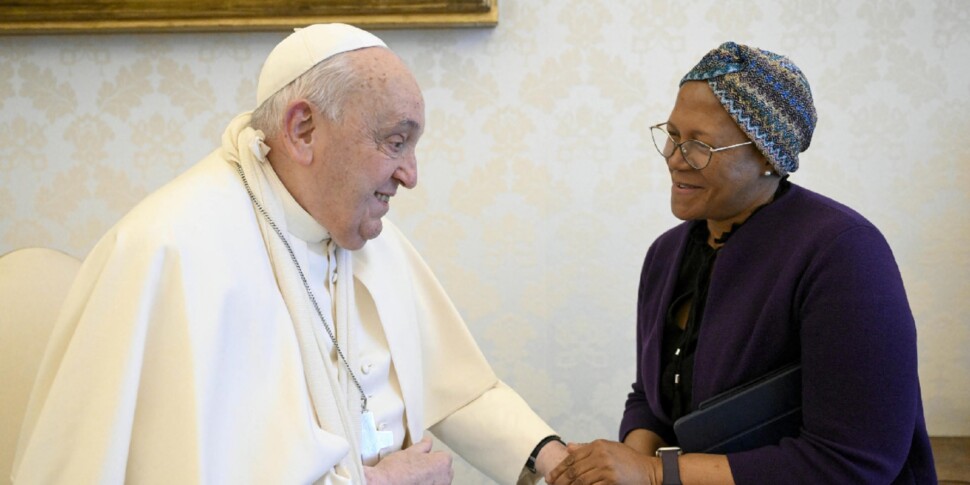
805 277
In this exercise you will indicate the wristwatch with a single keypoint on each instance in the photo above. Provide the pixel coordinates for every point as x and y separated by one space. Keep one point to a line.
669 457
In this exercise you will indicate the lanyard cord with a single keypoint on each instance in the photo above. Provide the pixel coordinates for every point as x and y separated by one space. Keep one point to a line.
313 300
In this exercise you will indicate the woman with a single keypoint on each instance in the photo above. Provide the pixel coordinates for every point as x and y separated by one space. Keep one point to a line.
763 273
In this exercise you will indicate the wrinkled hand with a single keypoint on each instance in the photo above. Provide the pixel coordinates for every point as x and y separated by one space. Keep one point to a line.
416 465
549 456
603 462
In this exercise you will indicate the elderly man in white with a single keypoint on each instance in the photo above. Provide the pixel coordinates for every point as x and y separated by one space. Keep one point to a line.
255 320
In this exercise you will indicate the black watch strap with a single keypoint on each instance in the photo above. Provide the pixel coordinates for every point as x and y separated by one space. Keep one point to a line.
531 462
670 458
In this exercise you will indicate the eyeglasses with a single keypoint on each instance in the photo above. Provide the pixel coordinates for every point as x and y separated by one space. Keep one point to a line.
696 153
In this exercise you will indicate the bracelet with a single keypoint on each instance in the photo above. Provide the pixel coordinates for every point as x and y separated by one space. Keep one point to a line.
531 462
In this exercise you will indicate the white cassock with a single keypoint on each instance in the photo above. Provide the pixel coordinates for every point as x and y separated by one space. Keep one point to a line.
188 351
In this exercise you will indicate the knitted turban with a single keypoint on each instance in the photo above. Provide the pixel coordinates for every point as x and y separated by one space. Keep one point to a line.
768 97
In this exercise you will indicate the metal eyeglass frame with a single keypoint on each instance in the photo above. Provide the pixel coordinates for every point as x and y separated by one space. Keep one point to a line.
683 151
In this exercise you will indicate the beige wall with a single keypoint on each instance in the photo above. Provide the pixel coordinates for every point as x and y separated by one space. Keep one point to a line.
539 189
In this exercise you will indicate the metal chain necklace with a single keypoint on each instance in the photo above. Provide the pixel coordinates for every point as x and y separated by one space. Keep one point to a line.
313 300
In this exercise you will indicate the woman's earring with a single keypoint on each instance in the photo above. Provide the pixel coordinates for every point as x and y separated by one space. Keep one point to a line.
767 173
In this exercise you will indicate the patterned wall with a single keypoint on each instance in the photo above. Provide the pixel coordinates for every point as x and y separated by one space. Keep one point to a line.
539 188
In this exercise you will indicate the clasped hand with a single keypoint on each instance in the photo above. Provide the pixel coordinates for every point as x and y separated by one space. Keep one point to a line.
415 465
603 462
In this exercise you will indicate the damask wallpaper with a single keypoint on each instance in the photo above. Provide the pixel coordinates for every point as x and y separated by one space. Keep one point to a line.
539 188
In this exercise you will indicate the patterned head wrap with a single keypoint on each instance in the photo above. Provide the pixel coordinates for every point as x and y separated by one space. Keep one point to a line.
768 97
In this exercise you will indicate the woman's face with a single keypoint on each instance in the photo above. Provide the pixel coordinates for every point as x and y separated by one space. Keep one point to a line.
733 185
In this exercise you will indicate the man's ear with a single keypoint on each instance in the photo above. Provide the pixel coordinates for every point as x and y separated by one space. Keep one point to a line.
298 131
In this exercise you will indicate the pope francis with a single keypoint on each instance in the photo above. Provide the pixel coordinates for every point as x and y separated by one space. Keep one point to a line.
255 320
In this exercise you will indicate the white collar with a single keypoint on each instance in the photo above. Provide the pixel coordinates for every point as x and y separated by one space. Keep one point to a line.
299 222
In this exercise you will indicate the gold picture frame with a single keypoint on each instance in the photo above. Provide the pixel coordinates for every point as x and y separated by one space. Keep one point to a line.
110 16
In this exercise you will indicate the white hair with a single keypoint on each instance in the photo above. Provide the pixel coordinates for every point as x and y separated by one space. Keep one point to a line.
326 85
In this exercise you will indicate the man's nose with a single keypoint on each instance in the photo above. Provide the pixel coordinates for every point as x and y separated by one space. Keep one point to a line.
407 172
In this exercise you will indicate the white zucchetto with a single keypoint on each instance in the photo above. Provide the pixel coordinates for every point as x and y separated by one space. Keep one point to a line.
305 48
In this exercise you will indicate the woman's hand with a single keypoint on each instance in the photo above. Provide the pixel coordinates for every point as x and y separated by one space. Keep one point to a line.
605 462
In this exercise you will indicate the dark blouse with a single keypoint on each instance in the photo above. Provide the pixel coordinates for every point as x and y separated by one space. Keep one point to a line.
677 358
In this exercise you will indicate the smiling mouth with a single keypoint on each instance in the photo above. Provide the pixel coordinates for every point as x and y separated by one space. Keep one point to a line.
382 197
686 186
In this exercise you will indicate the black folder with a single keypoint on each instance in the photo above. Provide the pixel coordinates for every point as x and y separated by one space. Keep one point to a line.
755 414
